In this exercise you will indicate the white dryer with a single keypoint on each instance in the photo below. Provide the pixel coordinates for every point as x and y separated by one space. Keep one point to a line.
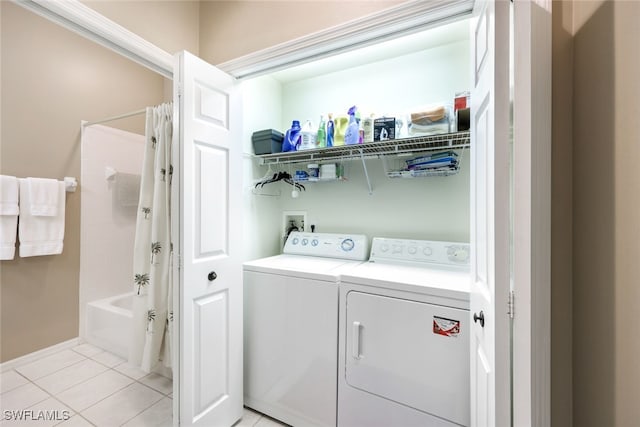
404 336
291 327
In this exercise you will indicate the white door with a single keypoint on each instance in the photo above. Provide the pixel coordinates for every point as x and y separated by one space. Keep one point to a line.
490 362
207 210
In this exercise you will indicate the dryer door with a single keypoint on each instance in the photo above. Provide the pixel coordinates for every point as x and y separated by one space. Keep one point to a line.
410 352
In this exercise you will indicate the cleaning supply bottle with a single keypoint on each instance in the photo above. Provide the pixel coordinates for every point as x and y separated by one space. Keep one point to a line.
367 125
292 137
340 124
321 137
352 134
330 131
307 137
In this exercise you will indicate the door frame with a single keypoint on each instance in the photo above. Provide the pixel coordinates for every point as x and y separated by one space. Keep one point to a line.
532 150
531 269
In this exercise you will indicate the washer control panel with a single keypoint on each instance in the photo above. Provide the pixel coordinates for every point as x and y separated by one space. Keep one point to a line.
420 252
330 245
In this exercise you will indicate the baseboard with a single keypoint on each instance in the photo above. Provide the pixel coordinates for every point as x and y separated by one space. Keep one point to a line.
32 357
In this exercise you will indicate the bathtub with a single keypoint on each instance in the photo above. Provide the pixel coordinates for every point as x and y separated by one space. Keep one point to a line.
109 323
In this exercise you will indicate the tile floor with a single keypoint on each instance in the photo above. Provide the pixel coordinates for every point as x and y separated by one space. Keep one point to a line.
86 386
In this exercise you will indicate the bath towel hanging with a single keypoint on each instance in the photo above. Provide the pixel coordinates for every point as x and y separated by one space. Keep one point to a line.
8 216
43 196
39 234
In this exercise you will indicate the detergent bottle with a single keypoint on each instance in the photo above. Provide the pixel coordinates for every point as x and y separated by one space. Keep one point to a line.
368 128
340 124
330 131
352 134
292 137
307 137
321 137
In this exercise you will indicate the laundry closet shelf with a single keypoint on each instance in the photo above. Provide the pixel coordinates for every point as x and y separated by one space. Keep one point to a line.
405 146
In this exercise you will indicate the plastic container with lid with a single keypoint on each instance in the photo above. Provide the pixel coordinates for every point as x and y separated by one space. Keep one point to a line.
314 171
267 141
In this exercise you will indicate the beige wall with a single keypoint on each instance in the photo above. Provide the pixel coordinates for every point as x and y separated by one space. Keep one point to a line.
229 29
606 237
170 25
561 214
52 79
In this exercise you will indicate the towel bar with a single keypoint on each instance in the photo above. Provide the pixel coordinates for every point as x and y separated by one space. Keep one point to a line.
70 184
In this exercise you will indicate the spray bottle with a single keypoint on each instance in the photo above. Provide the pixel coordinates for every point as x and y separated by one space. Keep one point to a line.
330 131
321 138
352 135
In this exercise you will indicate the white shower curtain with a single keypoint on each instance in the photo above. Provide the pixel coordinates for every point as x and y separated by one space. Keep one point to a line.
152 301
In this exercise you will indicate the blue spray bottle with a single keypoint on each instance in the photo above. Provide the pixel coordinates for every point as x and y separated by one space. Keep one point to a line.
352 135
330 131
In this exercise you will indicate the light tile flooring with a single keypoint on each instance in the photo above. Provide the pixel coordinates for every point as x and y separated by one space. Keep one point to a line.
86 386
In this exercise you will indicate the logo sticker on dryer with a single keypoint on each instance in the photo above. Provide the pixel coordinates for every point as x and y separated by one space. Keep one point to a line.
446 327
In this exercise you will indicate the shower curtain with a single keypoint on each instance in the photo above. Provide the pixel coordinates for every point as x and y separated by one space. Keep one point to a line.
152 300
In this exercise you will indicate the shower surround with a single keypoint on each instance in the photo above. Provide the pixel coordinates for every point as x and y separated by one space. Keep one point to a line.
108 225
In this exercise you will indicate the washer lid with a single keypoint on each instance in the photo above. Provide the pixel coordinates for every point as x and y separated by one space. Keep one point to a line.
438 282
310 267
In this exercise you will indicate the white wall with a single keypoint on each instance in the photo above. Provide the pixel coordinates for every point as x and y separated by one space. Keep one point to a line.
435 208
385 87
107 228
262 100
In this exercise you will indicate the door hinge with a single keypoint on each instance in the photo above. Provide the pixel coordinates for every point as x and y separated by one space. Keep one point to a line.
179 261
179 90
511 304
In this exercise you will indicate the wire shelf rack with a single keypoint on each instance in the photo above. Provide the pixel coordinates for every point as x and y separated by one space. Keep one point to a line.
405 146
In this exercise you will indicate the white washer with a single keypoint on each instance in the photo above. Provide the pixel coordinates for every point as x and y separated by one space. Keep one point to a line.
404 336
291 327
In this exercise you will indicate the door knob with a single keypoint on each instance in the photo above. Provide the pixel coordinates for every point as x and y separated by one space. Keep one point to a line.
212 276
479 317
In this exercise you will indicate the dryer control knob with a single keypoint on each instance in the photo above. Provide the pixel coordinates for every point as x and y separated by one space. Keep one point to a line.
412 250
304 242
314 242
427 251
461 254
347 245
295 240
458 254
384 248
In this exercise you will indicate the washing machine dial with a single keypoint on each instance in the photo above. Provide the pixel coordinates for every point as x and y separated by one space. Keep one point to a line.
384 247
347 245
412 250
427 251
295 241
305 242
314 242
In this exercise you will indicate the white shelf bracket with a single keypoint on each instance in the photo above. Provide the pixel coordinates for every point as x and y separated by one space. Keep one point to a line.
366 173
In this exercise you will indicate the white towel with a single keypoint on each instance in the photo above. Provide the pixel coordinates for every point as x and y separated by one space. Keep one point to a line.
8 216
43 193
40 235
